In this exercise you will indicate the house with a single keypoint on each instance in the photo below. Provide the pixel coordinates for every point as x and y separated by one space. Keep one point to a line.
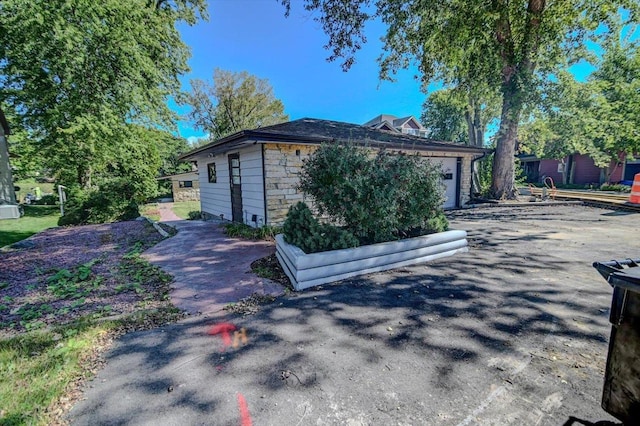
581 166
184 186
407 125
252 176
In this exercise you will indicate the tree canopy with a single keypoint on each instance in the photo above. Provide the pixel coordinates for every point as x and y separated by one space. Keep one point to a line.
235 101
90 80
508 46
598 117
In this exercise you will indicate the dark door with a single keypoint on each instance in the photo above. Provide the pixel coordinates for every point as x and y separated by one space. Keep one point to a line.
236 188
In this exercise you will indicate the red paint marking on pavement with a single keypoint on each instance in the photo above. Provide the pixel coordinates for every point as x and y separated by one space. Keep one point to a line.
224 328
245 417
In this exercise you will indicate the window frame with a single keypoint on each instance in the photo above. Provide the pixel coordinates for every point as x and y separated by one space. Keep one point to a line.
211 173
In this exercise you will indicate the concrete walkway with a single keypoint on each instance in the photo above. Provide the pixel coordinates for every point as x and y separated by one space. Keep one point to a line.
210 269
166 214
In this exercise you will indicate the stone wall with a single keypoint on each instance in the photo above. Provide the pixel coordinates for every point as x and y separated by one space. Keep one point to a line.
186 194
282 166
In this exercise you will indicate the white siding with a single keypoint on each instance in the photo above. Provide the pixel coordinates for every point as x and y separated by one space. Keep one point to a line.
215 198
252 185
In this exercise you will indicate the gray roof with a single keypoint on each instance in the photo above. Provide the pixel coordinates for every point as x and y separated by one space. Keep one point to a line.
312 131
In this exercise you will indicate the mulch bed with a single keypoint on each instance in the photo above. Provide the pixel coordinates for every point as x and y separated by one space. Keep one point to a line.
30 298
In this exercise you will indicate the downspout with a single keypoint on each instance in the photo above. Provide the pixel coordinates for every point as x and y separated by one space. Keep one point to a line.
473 162
264 187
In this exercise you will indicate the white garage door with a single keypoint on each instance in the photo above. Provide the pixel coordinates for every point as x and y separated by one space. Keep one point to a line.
450 179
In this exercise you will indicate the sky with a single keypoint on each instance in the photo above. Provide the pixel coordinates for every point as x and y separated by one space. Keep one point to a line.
255 36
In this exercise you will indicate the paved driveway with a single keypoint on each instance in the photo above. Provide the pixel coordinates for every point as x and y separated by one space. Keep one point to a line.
512 333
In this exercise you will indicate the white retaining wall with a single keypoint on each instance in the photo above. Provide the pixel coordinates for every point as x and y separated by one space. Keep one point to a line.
308 270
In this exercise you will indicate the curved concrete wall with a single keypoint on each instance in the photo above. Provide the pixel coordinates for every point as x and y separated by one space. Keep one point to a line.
308 270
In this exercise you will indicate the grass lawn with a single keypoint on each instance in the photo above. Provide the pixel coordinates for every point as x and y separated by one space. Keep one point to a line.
27 184
151 211
182 208
35 219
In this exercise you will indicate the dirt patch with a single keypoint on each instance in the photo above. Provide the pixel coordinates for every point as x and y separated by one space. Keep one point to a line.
64 273
269 267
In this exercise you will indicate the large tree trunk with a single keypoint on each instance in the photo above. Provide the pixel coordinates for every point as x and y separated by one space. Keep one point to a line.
502 184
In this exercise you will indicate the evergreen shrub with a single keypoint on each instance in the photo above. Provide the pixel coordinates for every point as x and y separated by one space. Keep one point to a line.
303 230
378 197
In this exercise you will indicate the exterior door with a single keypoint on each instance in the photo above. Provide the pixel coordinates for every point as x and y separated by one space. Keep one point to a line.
236 187
450 179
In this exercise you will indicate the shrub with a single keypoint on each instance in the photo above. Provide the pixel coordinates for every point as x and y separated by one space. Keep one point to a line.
378 197
194 215
303 230
111 203
242 230
47 200
615 187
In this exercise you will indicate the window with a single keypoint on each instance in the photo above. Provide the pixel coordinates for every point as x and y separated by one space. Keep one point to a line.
185 184
211 167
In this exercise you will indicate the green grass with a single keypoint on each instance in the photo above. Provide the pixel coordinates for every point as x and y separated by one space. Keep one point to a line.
151 211
37 367
35 219
27 184
182 208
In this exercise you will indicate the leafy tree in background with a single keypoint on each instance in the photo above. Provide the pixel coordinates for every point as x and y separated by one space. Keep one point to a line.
236 101
508 46
598 118
89 79
452 115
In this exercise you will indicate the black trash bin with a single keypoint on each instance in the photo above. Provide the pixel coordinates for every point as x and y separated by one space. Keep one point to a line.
621 393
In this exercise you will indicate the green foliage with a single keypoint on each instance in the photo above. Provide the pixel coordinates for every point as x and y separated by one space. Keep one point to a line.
304 231
87 84
46 200
497 47
615 187
115 202
235 229
73 284
377 198
194 215
235 101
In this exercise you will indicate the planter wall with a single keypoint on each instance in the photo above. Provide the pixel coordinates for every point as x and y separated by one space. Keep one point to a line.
308 270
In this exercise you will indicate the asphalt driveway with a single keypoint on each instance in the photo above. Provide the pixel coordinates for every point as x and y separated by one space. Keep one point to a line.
513 332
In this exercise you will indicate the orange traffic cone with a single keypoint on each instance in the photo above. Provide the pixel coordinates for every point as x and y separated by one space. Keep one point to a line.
634 197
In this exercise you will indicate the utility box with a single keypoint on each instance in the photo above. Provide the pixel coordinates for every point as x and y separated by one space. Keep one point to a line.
9 211
621 393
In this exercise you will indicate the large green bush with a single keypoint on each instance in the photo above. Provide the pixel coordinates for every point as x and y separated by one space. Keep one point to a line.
377 197
114 201
303 230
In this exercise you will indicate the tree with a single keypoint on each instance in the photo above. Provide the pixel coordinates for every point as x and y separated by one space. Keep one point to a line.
509 46
235 101
598 118
83 74
452 115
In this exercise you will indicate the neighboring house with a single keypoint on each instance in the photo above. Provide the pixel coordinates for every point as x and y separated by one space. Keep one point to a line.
407 125
252 176
585 171
184 186
7 191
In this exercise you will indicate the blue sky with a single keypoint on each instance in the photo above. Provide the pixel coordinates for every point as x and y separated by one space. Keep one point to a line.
255 36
